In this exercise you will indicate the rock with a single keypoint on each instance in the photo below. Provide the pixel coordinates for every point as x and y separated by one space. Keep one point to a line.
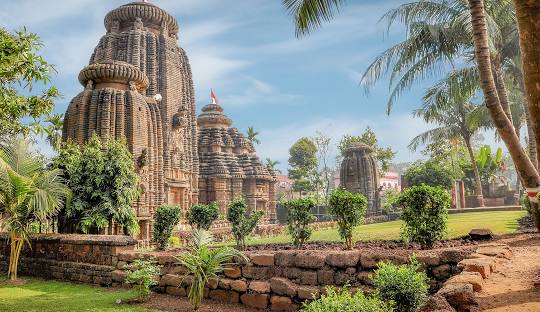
257 273
310 260
343 259
484 266
256 301
437 303
278 303
285 258
365 277
344 277
176 291
325 277
118 276
233 272
451 256
290 272
121 264
472 278
308 292
170 280
212 283
239 286
225 283
224 295
428 260
369 260
495 250
442 271
263 259
308 277
283 286
481 234
128 256
460 296
259 287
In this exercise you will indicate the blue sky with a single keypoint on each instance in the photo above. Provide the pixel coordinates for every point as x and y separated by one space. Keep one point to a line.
246 50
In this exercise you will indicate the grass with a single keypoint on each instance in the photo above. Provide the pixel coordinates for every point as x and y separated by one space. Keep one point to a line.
44 296
500 222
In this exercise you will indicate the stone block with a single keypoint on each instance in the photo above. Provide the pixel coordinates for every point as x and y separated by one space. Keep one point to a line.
283 286
259 287
176 291
495 250
279 303
119 276
239 286
258 273
285 258
370 260
212 283
437 303
170 280
460 296
343 259
310 259
308 292
442 271
451 256
429 260
473 278
225 283
484 266
266 259
255 301
481 234
365 277
224 295
325 277
291 272
232 272
308 277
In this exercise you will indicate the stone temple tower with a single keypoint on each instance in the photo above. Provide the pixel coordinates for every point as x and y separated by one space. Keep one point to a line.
139 86
359 174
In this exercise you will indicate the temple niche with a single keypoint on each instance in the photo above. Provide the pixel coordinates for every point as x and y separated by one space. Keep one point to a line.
359 174
229 166
138 86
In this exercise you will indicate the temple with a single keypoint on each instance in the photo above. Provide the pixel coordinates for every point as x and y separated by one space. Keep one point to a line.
229 166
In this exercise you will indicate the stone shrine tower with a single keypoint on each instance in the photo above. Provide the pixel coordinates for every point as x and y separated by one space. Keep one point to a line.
229 166
359 174
138 86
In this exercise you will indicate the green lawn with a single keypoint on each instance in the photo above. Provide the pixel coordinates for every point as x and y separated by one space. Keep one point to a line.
501 222
48 296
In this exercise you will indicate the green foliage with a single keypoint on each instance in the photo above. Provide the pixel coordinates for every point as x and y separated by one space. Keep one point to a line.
243 222
425 213
52 131
430 173
29 194
252 135
141 274
309 15
406 285
271 166
383 156
165 219
102 178
299 217
348 210
201 216
174 242
343 301
389 198
204 262
303 163
21 68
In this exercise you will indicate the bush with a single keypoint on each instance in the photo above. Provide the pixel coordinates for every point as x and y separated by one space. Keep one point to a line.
425 213
174 241
344 301
165 219
388 200
243 222
141 275
429 173
406 285
201 216
348 210
299 217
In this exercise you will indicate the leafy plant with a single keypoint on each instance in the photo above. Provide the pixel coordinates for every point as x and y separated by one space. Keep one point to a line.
303 163
243 222
429 173
165 219
201 216
102 178
406 285
204 262
348 210
425 214
141 275
343 301
29 194
389 198
174 241
299 217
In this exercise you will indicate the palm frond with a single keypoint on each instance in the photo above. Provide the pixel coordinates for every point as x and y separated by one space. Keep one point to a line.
311 14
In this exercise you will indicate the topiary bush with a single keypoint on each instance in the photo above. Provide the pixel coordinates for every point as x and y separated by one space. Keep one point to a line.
299 217
343 301
165 219
201 216
425 213
243 222
406 285
141 275
348 210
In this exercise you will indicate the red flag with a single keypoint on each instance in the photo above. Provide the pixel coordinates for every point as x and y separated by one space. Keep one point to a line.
214 97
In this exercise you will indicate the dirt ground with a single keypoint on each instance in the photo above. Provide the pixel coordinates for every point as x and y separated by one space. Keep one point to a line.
174 303
512 286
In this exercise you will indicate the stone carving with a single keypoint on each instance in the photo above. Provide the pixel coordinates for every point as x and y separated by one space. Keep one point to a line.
359 174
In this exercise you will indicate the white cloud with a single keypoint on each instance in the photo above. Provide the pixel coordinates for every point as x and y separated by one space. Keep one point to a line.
256 92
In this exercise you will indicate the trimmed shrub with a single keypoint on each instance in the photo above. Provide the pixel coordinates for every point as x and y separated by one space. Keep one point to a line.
243 222
165 219
348 210
406 285
343 301
299 217
140 274
425 213
201 216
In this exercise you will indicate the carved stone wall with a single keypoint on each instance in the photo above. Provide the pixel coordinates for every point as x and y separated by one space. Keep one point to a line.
359 174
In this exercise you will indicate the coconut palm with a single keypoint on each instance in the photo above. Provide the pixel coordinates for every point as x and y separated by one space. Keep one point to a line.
28 193
204 262
252 135
271 165
53 131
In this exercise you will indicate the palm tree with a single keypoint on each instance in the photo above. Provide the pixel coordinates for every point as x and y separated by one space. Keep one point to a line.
28 193
271 165
53 132
205 263
252 135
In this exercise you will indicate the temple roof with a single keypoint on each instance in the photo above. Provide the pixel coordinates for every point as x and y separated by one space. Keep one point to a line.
212 116
113 71
147 12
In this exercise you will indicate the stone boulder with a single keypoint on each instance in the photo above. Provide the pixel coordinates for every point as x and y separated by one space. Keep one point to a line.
460 296
481 234
437 303
472 278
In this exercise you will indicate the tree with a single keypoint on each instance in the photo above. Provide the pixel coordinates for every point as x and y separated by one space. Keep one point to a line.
252 135
201 216
165 219
53 131
28 193
102 178
271 166
428 173
303 163
299 217
384 156
243 222
325 173
21 69
348 210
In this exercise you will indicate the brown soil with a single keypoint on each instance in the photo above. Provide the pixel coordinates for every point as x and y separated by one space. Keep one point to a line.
173 303
512 287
